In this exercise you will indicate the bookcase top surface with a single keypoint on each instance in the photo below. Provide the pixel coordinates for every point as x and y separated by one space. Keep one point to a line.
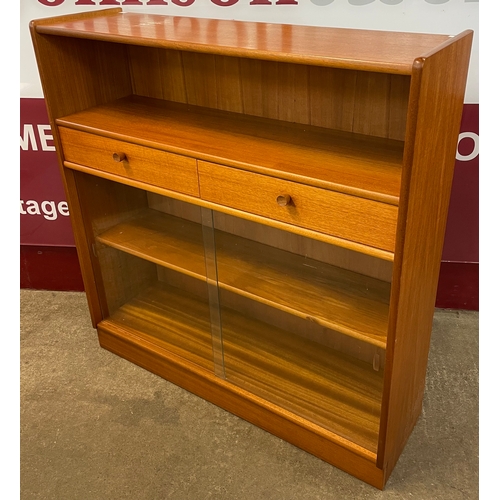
382 51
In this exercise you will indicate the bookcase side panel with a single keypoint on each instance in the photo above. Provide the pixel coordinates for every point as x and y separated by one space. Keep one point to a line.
82 246
77 74
103 205
436 109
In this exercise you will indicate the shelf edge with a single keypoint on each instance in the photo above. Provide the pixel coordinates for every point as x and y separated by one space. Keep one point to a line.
247 53
170 360
250 167
350 245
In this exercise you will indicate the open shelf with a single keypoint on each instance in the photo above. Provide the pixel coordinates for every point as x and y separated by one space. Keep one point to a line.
317 383
338 299
360 165
325 46
166 240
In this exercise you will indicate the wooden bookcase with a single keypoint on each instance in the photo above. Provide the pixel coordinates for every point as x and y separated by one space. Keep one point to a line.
259 212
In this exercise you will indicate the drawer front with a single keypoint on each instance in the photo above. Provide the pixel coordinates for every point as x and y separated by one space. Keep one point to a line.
356 219
162 169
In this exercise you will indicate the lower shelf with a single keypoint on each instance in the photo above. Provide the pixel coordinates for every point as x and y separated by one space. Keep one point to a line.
171 319
314 382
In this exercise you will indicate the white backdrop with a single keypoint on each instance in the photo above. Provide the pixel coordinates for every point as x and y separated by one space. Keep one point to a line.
427 16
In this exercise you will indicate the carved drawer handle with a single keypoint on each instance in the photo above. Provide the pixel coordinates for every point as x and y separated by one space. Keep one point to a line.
284 200
119 157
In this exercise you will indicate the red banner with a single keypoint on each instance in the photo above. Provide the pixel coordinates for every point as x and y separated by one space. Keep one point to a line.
461 243
44 210
45 215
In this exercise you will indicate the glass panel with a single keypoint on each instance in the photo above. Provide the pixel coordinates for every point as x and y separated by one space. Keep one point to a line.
301 331
213 289
290 319
151 263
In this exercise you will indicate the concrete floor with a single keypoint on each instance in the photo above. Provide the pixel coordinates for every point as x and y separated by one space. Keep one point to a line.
96 427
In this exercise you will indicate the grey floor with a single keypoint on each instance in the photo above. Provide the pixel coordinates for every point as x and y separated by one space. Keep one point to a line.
94 426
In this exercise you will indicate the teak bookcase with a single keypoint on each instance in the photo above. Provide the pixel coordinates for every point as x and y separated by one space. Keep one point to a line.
259 212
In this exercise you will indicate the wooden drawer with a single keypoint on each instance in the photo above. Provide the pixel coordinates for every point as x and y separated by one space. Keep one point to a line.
153 166
349 217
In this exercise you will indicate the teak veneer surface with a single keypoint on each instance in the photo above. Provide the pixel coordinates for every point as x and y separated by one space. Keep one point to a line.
149 165
308 436
389 52
331 389
436 104
355 164
348 217
345 301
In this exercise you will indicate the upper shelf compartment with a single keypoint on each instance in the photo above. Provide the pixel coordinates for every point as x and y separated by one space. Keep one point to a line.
365 50
355 164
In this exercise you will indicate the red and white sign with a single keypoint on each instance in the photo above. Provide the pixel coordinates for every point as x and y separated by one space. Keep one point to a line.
43 207
461 243
44 213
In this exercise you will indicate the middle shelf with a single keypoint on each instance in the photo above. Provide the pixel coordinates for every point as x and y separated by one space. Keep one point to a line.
348 302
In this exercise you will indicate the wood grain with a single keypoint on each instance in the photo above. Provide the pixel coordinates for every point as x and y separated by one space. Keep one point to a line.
172 75
332 96
364 166
335 391
74 75
363 221
200 68
123 276
347 302
103 204
339 393
79 74
357 348
146 71
285 240
436 104
311 437
173 320
371 104
310 95
300 286
171 171
228 84
353 347
165 240
307 247
83 238
335 47
357 127
368 251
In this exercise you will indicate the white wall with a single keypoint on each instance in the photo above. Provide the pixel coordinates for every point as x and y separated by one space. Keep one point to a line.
426 16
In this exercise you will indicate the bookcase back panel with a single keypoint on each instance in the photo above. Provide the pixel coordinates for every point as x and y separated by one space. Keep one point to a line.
353 101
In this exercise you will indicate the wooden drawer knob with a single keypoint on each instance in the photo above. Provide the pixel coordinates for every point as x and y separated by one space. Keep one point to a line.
119 157
283 200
